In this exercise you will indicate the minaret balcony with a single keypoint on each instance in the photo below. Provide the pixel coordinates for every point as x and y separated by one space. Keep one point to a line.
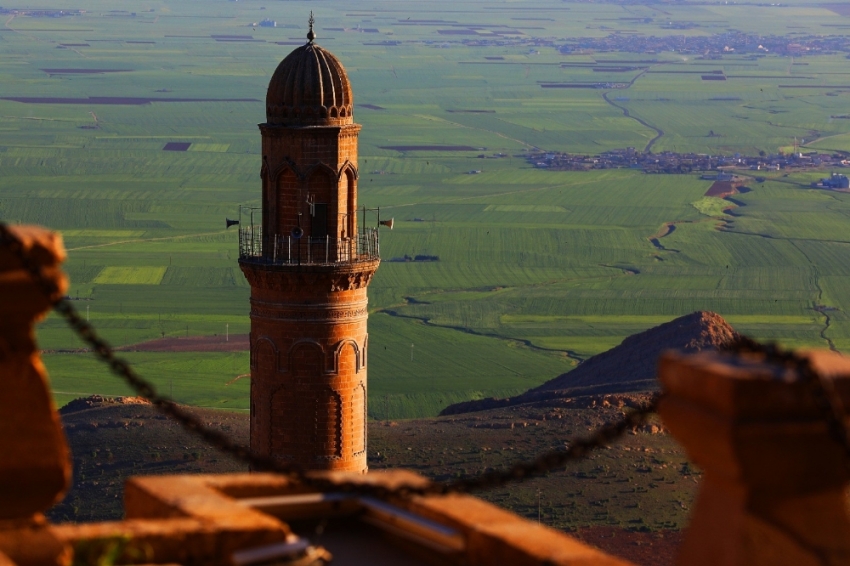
289 250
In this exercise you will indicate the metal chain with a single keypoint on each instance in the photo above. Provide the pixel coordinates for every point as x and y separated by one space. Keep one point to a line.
823 391
577 448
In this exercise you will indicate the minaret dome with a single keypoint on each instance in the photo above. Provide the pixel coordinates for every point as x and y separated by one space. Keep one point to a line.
309 88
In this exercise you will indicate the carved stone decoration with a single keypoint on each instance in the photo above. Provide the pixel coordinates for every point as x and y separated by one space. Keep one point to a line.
292 278
292 313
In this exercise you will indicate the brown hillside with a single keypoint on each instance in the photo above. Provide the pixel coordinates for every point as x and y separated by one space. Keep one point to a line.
636 358
631 366
112 439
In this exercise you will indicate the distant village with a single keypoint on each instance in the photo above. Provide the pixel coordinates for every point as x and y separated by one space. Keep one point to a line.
41 13
713 46
421 257
671 163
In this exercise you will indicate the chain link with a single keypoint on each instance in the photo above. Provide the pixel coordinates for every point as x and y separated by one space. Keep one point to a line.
577 448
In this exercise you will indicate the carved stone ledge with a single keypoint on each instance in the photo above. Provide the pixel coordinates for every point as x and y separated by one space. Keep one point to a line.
321 278
309 315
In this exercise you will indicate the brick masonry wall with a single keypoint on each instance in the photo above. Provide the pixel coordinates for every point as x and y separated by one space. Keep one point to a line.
308 323
308 368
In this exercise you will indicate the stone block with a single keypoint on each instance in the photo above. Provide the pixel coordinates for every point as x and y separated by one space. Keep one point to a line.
32 542
38 474
496 536
774 483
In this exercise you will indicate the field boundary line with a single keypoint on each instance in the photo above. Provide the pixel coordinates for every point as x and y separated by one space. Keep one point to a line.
527 343
827 323
145 240
468 127
458 199
787 238
34 38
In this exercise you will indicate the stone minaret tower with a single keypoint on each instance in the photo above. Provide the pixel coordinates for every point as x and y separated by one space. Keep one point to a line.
308 265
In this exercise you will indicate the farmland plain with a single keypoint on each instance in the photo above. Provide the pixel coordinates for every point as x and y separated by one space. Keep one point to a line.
538 269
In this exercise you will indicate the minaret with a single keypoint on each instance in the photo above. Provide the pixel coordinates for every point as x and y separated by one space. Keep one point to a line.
308 265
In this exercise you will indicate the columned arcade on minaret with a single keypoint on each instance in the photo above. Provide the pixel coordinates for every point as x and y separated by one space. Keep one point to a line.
308 264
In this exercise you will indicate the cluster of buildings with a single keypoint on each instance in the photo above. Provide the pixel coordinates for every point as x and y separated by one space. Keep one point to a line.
834 181
717 44
700 46
41 13
408 258
671 162
533 43
265 23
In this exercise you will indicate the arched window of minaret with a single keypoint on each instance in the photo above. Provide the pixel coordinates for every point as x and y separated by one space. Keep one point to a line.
328 425
264 178
287 424
287 202
350 200
264 357
305 360
348 359
264 365
263 368
358 420
261 420
321 209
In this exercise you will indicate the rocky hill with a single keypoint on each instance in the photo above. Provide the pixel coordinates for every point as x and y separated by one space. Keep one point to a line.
631 366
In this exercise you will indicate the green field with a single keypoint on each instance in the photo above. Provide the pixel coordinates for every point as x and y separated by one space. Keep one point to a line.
537 270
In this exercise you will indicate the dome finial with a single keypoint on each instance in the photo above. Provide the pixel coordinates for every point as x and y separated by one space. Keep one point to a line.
310 34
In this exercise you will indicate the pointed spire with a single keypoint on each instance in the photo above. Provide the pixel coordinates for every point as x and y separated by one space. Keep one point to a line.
310 34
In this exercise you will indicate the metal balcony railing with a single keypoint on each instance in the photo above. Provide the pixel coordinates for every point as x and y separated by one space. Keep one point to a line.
282 249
